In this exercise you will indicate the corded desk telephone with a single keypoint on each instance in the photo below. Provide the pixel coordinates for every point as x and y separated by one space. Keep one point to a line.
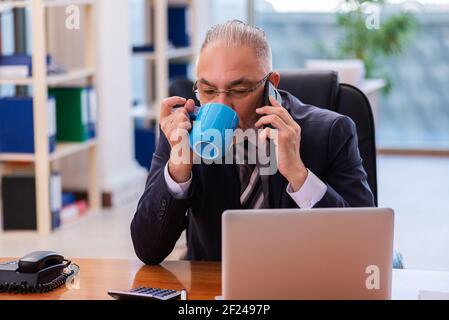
37 272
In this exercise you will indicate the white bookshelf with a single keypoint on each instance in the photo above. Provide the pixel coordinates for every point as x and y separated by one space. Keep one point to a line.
143 112
42 160
63 149
172 54
64 3
162 55
8 5
53 80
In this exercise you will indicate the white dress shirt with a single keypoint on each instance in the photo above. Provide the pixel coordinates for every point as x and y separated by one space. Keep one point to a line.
306 197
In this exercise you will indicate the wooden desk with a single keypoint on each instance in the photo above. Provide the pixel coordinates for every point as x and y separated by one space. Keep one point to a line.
201 279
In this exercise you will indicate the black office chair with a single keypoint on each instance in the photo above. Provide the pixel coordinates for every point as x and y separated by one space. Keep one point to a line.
322 89
181 86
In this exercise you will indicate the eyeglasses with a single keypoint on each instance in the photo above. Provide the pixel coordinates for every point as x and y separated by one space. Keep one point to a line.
208 93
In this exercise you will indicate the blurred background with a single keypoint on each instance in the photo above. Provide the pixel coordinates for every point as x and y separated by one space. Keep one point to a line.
96 71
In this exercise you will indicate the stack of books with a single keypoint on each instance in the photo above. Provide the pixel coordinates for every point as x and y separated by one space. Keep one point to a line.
72 209
20 66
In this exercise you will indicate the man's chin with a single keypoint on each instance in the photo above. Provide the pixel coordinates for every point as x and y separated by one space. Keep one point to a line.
246 127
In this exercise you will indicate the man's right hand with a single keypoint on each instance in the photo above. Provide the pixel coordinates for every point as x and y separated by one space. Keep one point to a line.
176 125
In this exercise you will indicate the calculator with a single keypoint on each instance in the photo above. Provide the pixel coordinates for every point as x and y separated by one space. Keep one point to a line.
144 293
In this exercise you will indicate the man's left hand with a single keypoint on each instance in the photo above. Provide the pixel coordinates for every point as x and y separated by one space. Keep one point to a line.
289 163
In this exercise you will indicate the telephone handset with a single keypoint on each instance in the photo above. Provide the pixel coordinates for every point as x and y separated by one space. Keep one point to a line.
38 260
39 271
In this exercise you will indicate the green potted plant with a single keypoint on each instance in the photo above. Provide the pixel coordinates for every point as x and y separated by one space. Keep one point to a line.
370 40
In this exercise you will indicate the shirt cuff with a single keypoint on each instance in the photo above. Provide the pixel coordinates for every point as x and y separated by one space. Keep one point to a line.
312 191
177 190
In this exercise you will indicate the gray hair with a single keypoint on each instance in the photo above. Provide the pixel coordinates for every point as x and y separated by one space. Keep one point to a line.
235 33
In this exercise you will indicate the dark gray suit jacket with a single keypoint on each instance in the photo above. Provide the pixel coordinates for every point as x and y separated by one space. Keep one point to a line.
328 148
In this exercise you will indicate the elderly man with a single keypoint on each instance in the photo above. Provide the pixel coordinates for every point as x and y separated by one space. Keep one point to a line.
318 160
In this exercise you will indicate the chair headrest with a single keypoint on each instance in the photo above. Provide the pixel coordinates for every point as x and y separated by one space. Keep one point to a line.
315 87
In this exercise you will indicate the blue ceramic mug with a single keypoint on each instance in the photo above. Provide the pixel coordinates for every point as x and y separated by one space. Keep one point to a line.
212 131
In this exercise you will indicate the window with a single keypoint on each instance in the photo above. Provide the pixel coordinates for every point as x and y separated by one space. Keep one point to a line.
415 115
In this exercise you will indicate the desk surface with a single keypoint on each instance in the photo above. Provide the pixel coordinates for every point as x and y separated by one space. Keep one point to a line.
201 279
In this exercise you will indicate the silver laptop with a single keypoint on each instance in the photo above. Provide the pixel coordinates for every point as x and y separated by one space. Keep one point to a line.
343 253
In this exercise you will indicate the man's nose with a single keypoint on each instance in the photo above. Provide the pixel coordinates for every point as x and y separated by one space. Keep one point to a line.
223 98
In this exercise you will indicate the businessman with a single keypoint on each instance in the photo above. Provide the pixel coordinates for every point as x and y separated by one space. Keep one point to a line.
318 161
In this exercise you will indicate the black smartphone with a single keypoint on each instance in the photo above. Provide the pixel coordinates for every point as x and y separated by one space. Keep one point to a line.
270 90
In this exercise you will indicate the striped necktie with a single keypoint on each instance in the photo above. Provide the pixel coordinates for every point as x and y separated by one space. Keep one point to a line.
251 191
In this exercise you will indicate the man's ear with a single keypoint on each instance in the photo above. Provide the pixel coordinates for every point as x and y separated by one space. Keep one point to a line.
275 78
